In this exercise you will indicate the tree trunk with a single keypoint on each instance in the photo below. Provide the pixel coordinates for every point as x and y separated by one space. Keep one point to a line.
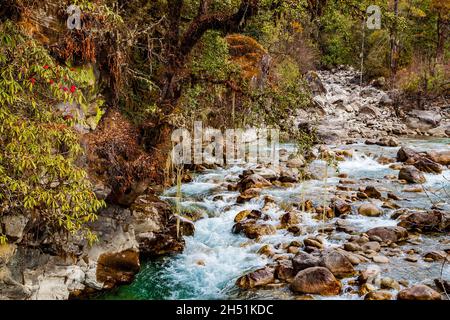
441 38
394 44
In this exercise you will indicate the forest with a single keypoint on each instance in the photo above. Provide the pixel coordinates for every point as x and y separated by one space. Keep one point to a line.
94 206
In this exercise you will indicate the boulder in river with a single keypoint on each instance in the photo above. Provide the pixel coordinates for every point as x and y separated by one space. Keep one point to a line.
253 230
248 194
378 295
372 192
411 175
430 221
247 214
340 207
441 157
114 268
252 181
369 210
404 154
285 271
290 218
419 292
436 255
305 260
427 165
257 278
316 280
387 142
388 234
337 263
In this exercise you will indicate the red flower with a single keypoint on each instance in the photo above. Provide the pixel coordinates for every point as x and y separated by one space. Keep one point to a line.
46 67
51 81
33 80
65 89
72 89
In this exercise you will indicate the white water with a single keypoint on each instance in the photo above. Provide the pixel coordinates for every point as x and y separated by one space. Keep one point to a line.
215 257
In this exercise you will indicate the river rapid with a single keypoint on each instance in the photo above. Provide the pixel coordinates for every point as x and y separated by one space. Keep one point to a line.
214 257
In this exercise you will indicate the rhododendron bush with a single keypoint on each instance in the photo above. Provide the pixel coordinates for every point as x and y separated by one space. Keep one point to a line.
38 145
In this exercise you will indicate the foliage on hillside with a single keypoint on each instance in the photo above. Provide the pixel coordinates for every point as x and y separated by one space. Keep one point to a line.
38 174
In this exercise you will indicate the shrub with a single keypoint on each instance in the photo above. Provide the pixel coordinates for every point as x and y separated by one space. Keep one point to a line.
38 146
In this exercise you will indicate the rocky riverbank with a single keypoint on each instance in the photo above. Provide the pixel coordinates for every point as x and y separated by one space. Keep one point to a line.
345 110
126 235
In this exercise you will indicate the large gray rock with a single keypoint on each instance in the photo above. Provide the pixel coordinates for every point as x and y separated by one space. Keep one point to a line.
424 119
14 226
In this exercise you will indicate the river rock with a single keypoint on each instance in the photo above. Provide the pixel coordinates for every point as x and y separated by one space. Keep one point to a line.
369 111
288 176
290 218
248 214
252 181
380 259
436 255
267 173
404 154
257 278
423 119
117 268
311 242
267 250
389 283
296 162
242 215
340 207
411 174
304 260
378 295
430 221
419 292
337 263
248 194
387 142
157 229
371 246
372 192
389 234
427 165
316 280
285 271
370 275
441 157
369 210
351 246
393 196
254 230
315 84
